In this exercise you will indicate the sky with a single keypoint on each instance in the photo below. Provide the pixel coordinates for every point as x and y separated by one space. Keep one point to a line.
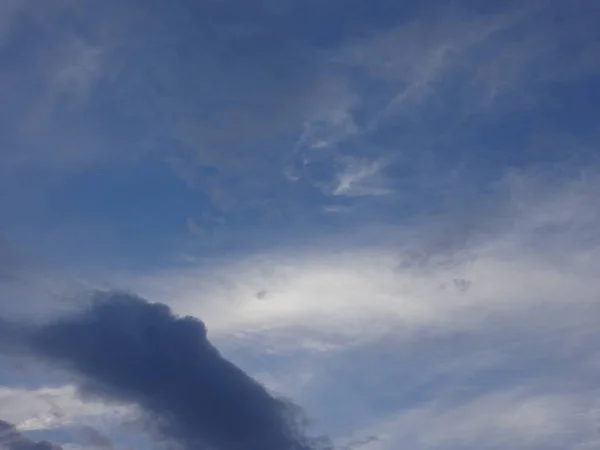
299 225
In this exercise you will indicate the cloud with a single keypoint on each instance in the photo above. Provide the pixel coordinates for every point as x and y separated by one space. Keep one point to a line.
512 418
481 323
535 239
11 439
484 56
54 407
135 353
512 358
163 85
152 85
413 58
360 178
407 122
94 439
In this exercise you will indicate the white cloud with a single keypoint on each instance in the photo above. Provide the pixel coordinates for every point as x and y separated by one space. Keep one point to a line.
362 294
330 124
53 407
360 178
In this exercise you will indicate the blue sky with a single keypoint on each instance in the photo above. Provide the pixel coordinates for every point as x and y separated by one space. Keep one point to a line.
385 211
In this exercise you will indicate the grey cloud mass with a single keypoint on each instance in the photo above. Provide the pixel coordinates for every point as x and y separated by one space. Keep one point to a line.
134 352
91 437
13 439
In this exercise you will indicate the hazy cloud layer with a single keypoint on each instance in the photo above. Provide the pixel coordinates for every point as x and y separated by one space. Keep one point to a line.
483 333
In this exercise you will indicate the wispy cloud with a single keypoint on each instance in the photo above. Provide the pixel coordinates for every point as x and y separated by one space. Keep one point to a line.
481 55
512 418
360 178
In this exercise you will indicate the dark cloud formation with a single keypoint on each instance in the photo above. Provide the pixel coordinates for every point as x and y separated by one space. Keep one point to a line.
92 438
134 352
13 439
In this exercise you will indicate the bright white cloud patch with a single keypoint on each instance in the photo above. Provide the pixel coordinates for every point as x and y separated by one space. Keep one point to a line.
542 255
489 343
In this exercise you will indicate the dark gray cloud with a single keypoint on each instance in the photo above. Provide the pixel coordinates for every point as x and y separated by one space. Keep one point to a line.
13 439
92 438
134 352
